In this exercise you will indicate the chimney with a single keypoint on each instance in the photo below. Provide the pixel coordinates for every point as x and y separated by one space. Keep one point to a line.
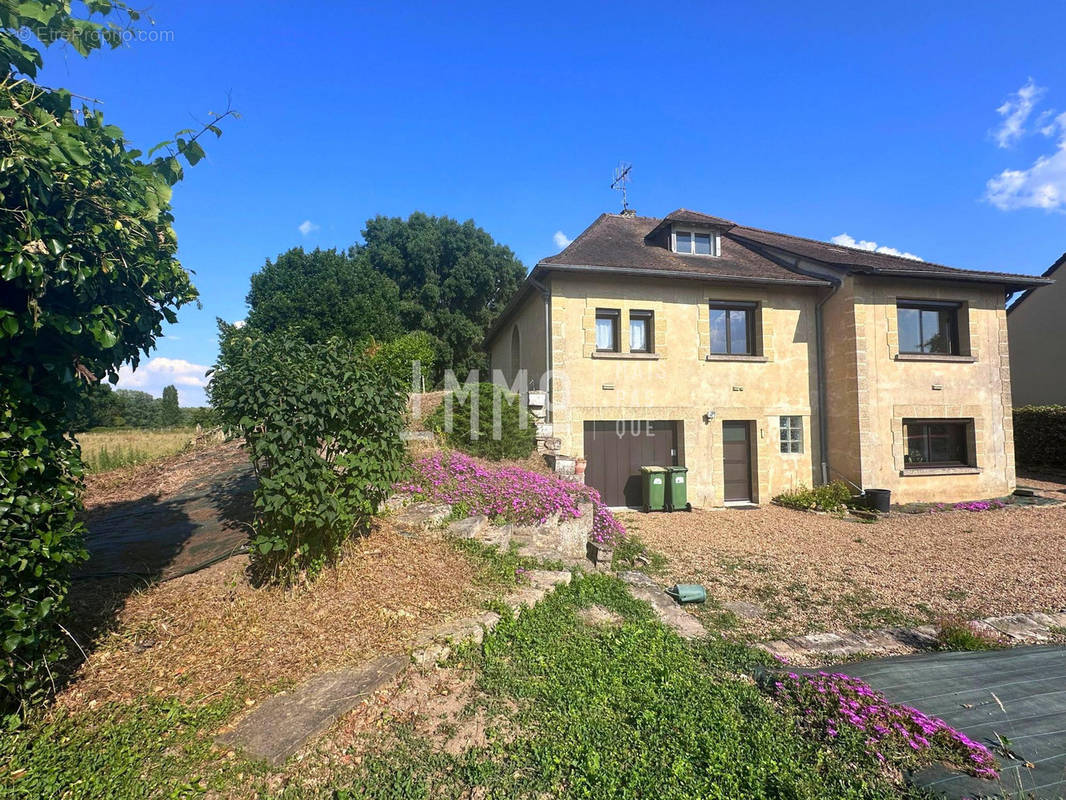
628 212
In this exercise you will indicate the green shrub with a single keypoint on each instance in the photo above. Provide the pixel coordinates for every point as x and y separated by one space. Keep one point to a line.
956 633
323 426
396 356
501 431
1040 436
828 497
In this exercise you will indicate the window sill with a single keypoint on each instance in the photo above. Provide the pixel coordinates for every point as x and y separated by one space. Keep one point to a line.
625 356
909 472
727 357
935 357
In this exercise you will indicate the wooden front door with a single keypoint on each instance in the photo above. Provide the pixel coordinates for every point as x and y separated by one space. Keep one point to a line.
736 468
617 449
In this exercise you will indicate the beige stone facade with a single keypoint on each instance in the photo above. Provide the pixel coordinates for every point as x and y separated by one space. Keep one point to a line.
930 424
871 389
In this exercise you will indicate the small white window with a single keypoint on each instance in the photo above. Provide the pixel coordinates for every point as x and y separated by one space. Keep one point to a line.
791 434
699 244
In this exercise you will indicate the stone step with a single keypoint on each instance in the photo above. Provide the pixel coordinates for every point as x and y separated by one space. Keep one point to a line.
642 587
283 723
1032 628
418 518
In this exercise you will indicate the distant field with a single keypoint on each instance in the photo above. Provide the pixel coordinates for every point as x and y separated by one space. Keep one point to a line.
123 447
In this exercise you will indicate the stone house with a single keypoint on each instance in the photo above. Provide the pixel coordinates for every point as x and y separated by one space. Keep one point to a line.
762 362
1037 327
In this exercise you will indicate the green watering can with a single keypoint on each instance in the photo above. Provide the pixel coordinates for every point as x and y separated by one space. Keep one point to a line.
687 593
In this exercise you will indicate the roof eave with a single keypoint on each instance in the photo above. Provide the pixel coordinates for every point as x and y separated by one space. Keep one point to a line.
683 274
1014 282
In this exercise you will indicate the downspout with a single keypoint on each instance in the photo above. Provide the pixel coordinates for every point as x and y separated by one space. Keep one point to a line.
545 290
823 422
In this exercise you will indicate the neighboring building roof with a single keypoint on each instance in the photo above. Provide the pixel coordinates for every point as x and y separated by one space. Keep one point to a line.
1047 274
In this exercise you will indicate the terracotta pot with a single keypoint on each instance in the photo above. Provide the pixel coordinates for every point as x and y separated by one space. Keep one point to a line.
579 466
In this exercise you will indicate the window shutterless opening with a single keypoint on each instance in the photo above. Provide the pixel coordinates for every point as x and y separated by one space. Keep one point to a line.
607 320
791 432
937 443
697 243
641 332
928 327
733 329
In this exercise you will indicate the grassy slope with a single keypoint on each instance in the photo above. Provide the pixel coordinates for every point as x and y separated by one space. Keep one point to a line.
574 709
619 711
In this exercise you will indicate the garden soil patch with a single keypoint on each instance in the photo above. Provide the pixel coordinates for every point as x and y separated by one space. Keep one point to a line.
212 633
816 572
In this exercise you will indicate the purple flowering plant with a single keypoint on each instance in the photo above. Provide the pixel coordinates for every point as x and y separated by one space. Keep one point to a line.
507 493
834 705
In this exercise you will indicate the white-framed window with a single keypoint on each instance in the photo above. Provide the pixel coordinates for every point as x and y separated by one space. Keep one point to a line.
791 434
697 243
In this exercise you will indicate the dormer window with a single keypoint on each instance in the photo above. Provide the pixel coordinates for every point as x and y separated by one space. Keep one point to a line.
697 243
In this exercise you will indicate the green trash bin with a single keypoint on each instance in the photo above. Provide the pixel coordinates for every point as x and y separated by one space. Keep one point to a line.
653 480
677 494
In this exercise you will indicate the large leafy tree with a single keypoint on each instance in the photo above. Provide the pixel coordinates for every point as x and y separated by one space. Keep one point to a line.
169 410
322 294
88 274
453 278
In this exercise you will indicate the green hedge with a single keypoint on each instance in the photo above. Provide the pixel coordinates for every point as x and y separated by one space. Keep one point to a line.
1040 436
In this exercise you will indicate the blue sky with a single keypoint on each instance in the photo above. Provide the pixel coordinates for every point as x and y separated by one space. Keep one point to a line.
817 119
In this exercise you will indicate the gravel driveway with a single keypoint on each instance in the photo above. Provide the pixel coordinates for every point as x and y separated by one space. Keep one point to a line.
807 572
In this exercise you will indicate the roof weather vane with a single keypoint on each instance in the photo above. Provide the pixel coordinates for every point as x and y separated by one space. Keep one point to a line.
621 178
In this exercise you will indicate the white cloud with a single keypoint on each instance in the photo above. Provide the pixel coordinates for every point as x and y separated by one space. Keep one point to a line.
238 323
1056 124
873 247
307 227
155 373
1015 112
1043 185
561 240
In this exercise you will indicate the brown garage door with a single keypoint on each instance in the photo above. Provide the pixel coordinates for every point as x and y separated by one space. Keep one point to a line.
617 449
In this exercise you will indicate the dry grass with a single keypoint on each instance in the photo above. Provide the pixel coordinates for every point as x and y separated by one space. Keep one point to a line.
112 449
163 476
813 572
212 632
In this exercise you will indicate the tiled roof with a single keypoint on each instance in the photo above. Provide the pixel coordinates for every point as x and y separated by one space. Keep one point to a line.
854 259
619 242
642 243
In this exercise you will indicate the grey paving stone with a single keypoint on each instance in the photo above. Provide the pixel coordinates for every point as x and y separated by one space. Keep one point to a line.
284 722
644 588
421 517
548 578
526 597
469 528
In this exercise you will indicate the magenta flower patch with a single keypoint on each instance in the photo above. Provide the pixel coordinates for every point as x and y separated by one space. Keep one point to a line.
830 705
510 494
